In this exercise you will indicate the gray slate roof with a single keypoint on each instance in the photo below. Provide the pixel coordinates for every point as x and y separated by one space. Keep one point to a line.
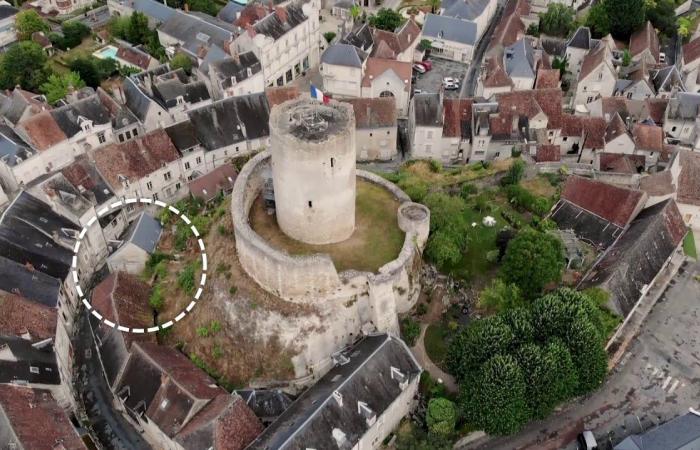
230 67
519 59
229 12
367 377
151 8
581 39
685 106
30 284
667 78
183 135
145 232
168 91
681 433
427 109
464 9
137 102
195 32
344 55
273 27
7 11
26 355
90 108
13 149
360 37
450 29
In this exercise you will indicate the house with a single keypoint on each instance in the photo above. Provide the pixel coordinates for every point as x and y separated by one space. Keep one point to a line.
595 211
233 127
450 38
456 129
342 67
644 44
631 264
29 364
688 189
648 141
19 421
267 404
8 35
196 34
577 47
176 405
137 245
135 58
680 119
355 405
510 27
376 128
547 153
680 433
240 74
25 318
597 77
493 79
19 105
400 44
121 298
209 186
691 65
147 166
516 69
425 122
643 82
479 12
185 139
286 41
617 138
156 12
620 163
388 78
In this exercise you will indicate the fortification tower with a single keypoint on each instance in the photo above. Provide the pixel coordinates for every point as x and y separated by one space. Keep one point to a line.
313 169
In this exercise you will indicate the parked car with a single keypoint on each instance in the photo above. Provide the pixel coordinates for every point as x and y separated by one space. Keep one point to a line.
417 91
419 68
662 57
451 86
586 441
450 80
427 64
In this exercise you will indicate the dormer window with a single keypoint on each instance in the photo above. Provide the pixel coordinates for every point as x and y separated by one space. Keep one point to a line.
249 71
233 80
85 124
338 397
180 100
366 412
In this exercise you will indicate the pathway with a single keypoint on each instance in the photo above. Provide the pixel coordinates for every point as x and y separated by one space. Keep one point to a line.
436 372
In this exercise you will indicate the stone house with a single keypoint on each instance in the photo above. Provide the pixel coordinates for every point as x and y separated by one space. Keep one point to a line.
450 38
618 139
440 128
680 120
479 12
577 47
388 78
211 185
375 125
400 44
644 44
648 141
137 244
597 77
240 74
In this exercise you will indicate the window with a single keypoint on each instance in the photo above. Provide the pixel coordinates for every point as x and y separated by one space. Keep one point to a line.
310 204
149 185
101 137
168 192
370 135
673 129
388 132
33 369
332 162
177 186
187 166
128 134
590 99
497 154
121 138
600 75
155 196
136 132
199 160
167 176
564 138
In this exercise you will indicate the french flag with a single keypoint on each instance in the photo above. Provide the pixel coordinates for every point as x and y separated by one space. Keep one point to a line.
317 94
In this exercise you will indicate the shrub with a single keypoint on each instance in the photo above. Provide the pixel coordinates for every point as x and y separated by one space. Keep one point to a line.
202 331
435 166
467 189
329 36
185 280
410 330
421 309
215 326
156 300
532 260
441 416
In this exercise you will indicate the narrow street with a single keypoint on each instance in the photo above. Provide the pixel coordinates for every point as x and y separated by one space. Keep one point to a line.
107 425
655 381
469 81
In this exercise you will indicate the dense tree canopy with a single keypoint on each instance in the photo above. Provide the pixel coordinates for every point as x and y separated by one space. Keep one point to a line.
532 260
386 19
57 86
441 416
448 227
23 65
27 22
73 34
598 20
558 20
500 296
662 14
93 70
625 16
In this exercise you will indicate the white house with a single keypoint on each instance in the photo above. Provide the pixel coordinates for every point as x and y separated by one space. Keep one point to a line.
137 245
597 77
480 12
450 38
342 67
680 121
240 74
388 78
375 125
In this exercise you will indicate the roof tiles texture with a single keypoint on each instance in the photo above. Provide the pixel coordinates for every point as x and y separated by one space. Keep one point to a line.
20 315
648 137
374 112
689 178
615 204
377 66
547 78
458 112
42 130
643 39
548 153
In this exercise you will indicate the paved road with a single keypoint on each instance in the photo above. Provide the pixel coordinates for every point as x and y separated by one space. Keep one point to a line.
469 82
106 424
427 364
657 380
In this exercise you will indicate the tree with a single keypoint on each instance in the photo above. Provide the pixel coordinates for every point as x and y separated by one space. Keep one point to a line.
28 22
598 20
500 296
516 171
57 86
434 5
73 34
137 32
661 14
386 19
684 25
205 6
533 30
495 402
85 67
502 239
625 16
558 20
561 64
448 226
329 36
532 260
475 344
355 12
23 64
410 330
441 416
118 26
588 355
626 58
520 322
181 61
424 45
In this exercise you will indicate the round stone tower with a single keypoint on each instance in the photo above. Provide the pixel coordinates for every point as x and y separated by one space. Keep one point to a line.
313 169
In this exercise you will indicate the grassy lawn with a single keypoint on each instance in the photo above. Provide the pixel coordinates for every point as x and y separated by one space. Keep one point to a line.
689 245
377 238
83 50
435 342
539 186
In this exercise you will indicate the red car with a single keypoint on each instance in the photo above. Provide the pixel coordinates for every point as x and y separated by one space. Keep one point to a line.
427 64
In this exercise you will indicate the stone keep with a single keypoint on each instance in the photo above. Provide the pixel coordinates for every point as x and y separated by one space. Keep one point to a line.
313 170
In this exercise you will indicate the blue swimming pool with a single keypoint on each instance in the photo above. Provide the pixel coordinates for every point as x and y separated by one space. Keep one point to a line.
108 52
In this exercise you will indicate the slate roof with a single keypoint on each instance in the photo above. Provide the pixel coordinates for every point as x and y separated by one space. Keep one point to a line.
581 39
136 158
13 149
136 100
28 283
121 116
7 11
267 404
375 67
681 433
684 106
343 55
449 29
367 377
236 67
25 355
167 92
462 9
232 120
145 232
360 37
226 422
19 315
164 385
427 110
638 256
151 8
82 173
282 21
229 12
209 185
519 59
15 105
666 79
183 135
31 233
196 32
25 408
68 117
377 112
689 178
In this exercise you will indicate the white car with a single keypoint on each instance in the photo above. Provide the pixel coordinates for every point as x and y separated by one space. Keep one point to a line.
419 68
662 57
450 80
451 86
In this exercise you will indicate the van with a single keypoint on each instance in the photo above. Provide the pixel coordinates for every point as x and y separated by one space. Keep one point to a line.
586 441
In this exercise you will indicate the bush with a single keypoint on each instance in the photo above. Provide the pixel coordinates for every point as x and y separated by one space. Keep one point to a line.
329 36
185 280
500 295
421 309
515 173
532 260
435 166
467 189
524 199
441 416
448 226
410 330
202 331
156 300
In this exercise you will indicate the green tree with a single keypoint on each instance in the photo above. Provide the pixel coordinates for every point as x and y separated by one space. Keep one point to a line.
434 5
626 58
561 64
205 6
118 26
448 226
475 344
181 61
329 36
588 355
57 86
558 20
661 14
625 16
500 296
495 402
598 20
516 171
533 30
386 19
23 65
137 32
73 34
424 45
355 12
410 330
684 25
27 22
532 260
441 416
520 322
85 67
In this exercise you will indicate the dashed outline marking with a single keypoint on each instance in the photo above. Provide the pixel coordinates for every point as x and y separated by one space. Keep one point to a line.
119 204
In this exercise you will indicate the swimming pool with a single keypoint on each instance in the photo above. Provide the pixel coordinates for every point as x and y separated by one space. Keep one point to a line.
108 52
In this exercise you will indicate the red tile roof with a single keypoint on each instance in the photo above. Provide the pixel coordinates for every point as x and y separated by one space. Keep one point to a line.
375 67
648 137
532 102
657 184
37 420
399 41
382 50
657 109
496 76
689 178
621 163
547 78
277 95
135 158
616 128
691 51
510 28
594 132
42 130
548 153
615 204
571 125
135 57
208 186
643 39
20 316
457 112
250 15
593 60
377 112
